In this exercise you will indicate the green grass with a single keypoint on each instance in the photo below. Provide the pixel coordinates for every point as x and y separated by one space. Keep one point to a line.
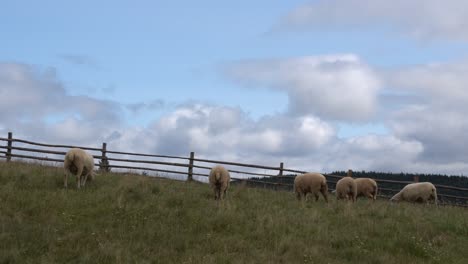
135 219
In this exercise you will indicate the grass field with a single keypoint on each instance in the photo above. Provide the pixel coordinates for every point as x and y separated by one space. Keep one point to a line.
135 219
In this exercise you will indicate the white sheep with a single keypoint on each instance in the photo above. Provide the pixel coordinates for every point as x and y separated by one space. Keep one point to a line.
311 183
346 189
80 163
219 181
420 192
366 187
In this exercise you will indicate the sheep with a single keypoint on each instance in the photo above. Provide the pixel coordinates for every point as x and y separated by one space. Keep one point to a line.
366 187
80 163
420 192
346 189
219 180
311 183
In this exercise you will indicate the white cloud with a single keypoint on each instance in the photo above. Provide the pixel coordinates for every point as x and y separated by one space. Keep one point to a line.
421 19
441 131
31 97
216 129
372 152
435 115
339 87
27 92
443 84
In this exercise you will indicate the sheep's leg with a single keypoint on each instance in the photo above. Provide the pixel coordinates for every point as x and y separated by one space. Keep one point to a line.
298 196
223 190
316 196
85 178
65 179
304 196
324 191
78 176
325 195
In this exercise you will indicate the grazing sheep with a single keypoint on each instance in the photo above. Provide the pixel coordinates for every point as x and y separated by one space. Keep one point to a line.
420 192
219 181
366 187
346 189
311 183
80 163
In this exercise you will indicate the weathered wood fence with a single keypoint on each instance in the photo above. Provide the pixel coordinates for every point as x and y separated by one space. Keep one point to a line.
280 179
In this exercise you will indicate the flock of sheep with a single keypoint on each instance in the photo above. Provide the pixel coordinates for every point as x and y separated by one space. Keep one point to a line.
349 189
80 163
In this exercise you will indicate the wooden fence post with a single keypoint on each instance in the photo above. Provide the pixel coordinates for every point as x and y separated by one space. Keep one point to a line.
416 178
281 169
9 145
350 173
280 174
190 168
104 164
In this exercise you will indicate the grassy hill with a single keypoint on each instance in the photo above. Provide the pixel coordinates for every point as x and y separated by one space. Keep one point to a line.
135 219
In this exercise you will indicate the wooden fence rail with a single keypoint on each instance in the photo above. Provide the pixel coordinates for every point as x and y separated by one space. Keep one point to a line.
238 164
11 140
190 166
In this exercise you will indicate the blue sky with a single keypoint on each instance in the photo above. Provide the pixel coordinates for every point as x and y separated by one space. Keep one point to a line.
256 77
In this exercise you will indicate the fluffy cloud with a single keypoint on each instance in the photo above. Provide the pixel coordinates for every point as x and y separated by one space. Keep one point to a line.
444 82
33 102
437 118
25 92
339 87
215 130
421 19
372 152
441 131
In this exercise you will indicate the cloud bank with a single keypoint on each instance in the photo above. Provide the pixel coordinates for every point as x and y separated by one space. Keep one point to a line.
426 135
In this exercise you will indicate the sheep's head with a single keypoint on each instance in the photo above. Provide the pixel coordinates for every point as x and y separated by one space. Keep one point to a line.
395 198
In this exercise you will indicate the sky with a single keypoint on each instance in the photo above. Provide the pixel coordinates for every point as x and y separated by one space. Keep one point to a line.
319 85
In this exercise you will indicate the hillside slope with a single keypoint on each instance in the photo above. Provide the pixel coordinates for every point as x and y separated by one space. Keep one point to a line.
135 219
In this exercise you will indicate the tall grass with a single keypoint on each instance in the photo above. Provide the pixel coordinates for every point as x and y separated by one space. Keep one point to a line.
135 219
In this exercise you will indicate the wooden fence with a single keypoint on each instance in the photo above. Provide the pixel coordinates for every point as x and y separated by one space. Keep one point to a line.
190 166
